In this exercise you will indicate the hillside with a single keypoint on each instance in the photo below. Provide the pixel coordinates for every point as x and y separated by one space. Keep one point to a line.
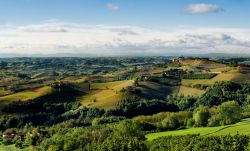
234 77
105 95
241 128
111 103
26 95
204 64
187 91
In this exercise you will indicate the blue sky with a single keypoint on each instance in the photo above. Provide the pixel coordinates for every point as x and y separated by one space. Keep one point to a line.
160 20
148 13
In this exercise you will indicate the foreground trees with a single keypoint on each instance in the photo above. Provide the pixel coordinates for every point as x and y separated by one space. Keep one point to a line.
226 113
201 116
196 143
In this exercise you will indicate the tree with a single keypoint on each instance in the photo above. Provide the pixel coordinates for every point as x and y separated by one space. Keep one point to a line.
171 122
226 113
128 128
201 116
233 63
136 82
3 65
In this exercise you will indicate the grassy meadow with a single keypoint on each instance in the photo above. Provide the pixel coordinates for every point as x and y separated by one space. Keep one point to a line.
242 127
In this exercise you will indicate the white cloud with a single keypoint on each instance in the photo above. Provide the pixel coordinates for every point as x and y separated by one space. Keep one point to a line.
203 8
113 7
60 37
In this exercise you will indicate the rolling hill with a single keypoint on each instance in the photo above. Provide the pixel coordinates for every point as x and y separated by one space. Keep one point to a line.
105 95
241 128
26 95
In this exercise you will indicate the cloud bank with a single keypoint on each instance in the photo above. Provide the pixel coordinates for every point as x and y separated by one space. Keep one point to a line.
104 40
202 8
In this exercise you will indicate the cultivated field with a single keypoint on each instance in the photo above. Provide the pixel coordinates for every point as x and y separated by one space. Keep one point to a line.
153 90
235 77
242 127
26 95
105 95
187 91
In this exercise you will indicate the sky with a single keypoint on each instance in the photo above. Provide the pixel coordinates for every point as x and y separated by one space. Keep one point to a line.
124 27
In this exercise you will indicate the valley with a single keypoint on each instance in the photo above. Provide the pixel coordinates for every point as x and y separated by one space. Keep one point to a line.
97 101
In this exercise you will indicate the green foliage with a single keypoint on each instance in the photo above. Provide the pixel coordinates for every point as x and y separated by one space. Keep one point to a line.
196 143
75 138
105 120
171 122
135 106
222 92
121 143
199 76
201 116
126 136
200 86
233 63
166 81
225 114
183 103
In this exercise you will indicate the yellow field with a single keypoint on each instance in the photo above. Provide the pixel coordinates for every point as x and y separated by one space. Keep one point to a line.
74 79
105 95
3 92
211 65
26 95
198 62
235 77
187 91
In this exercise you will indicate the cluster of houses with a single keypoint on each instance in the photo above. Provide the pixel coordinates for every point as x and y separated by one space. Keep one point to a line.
57 84
177 60
16 134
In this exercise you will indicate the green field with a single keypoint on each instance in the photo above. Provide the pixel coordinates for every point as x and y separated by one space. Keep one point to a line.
242 127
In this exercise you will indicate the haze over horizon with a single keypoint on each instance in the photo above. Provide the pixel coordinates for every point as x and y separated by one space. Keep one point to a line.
125 28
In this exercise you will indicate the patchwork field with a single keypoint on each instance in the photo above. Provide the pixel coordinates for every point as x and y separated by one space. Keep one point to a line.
3 92
26 95
241 128
105 95
153 90
235 77
203 63
187 91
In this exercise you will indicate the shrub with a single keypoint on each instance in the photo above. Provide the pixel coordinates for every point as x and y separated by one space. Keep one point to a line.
196 143
226 113
171 122
201 116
